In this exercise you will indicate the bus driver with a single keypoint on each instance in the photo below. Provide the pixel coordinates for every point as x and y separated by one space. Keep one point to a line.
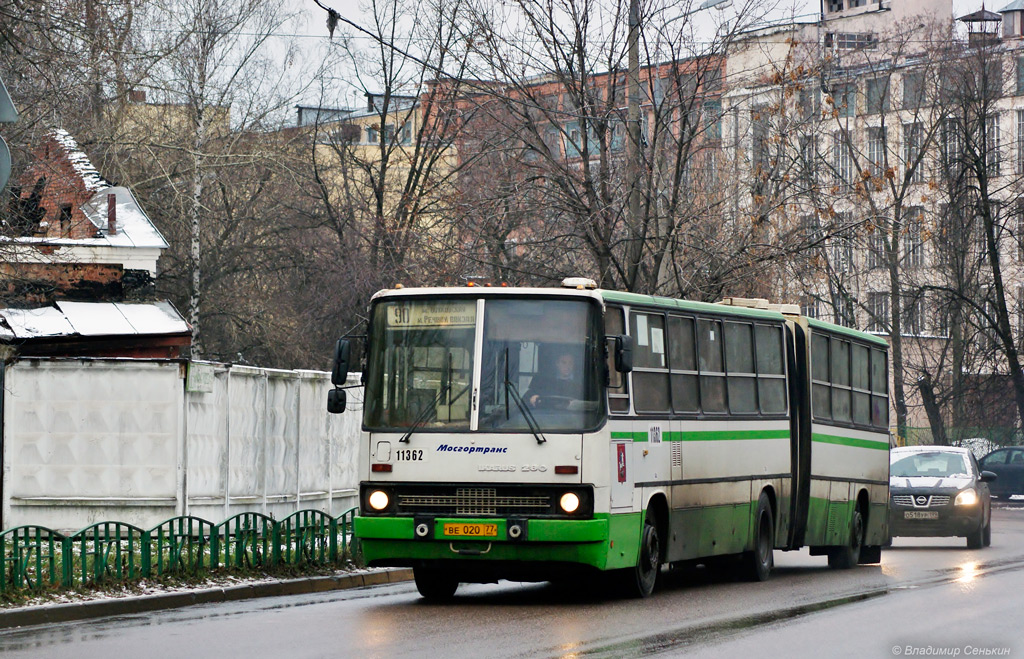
556 390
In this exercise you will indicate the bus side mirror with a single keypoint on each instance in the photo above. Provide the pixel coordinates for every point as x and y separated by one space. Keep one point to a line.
342 354
623 353
336 399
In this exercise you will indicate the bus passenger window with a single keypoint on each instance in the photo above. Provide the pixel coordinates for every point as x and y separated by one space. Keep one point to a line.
683 362
618 396
841 381
821 394
712 373
859 370
650 364
879 389
739 362
771 375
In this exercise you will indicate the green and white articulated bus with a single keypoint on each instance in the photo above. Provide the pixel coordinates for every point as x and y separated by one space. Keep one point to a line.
689 431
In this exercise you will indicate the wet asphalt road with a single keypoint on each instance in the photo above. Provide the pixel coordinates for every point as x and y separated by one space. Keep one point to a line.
929 597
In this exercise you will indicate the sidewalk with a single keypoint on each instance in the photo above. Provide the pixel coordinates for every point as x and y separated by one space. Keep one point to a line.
42 614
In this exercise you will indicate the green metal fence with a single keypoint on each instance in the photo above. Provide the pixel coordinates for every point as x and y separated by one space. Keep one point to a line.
35 558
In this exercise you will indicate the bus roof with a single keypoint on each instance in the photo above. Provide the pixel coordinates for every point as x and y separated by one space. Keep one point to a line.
620 297
814 323
688 305
599 294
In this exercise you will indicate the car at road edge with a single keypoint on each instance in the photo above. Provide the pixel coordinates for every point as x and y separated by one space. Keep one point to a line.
939 491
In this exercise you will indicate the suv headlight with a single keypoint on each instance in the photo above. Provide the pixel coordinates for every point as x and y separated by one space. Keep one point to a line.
966 498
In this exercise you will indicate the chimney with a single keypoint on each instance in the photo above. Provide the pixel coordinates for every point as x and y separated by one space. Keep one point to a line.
111 214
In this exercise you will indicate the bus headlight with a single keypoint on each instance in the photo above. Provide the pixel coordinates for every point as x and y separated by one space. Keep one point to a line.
379 500
966 498
570 502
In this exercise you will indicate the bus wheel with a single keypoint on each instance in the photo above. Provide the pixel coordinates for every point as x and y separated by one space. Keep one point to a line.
641 579
761 560
845 557
434 584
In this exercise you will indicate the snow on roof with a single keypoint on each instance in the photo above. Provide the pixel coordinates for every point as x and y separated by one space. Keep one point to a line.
79 161
134 228
91 319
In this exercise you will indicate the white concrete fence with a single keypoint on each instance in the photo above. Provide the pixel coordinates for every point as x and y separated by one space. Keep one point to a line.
140 441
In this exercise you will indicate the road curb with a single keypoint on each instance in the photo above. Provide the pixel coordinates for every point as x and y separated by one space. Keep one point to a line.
52 613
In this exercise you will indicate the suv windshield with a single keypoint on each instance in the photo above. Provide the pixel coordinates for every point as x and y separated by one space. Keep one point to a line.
938 464
541 360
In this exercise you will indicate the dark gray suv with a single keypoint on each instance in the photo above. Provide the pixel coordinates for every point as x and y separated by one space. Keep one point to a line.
939 491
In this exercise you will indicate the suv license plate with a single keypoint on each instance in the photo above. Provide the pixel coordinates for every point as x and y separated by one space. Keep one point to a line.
921 514
471 530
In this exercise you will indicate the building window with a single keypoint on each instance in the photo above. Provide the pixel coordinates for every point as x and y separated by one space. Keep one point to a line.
913 315
852 40
913 136
759 141
876 95
951 148
808 158
842 162
913 90
810 228
844 313
713 120
1020 141
876 249
406 134
842 254
372 135
913 242
1020 230
810 100
1020 75
846 100
878 312
65 220
809 307
876 150
835 5
992 144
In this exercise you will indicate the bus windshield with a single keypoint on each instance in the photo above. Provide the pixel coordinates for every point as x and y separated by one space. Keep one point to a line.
540 367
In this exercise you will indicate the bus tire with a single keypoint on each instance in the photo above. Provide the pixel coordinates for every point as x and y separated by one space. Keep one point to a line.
639 581
760 561
847 556
434 584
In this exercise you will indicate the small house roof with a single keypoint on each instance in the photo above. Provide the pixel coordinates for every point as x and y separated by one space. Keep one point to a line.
91 319
981 16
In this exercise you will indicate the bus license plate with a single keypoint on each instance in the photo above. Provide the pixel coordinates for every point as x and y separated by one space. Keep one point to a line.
472 530
921 514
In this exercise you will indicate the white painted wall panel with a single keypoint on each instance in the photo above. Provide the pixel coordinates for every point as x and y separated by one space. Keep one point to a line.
90 440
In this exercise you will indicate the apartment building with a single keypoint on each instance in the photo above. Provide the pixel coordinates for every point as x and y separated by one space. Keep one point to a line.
887 144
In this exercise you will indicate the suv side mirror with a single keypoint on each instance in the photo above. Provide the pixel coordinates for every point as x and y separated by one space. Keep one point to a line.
623 353
336 399
988 476
342 355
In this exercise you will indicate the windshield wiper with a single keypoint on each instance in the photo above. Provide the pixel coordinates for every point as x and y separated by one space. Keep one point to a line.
446 388
422 418
521 404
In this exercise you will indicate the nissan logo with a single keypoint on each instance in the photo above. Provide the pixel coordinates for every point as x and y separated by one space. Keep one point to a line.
921 500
